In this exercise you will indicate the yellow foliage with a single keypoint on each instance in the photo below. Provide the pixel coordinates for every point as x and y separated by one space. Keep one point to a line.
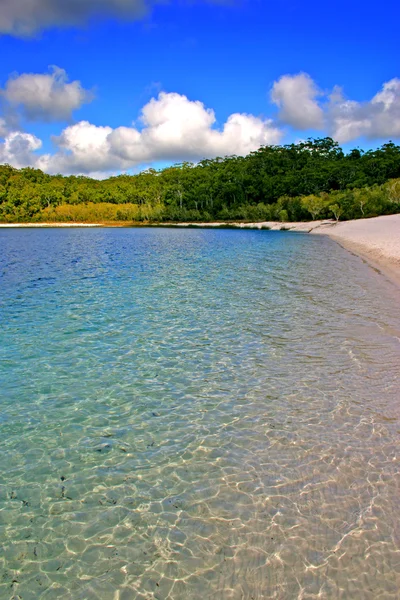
101 212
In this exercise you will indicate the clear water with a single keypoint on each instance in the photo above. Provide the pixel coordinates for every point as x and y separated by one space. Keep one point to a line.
196 414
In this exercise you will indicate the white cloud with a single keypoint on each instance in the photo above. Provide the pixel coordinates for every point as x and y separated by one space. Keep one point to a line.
174 128
18 149
296 95
379 118
26 17
344 119
83 148
46 96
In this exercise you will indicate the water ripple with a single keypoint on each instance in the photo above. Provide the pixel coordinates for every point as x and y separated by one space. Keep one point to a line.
196 413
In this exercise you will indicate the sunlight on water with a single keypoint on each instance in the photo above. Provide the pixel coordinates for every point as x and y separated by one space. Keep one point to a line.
196 414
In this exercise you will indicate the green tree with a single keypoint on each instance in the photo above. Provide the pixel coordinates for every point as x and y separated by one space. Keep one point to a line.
336 210
314 205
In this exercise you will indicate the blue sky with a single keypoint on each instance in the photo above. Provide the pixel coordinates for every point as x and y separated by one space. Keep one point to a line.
289 70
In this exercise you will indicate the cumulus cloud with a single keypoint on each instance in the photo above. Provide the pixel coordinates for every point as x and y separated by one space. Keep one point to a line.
18 149
296 96
83 148
45 96
26 17
376 119
303 106
173 128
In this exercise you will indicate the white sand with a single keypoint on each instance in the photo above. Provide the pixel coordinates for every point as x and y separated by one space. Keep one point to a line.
306 226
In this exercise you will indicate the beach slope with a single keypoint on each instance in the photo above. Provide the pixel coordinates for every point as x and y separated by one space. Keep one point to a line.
377 240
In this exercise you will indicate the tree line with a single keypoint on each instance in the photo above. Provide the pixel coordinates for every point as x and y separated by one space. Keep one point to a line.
296 182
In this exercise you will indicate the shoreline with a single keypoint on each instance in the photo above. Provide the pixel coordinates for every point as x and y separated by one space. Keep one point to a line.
384 266
375 240
49 225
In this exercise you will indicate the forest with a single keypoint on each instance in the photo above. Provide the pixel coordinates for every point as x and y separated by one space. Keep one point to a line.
310 180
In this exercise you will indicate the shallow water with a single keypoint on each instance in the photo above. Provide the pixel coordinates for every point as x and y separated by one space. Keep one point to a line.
196 414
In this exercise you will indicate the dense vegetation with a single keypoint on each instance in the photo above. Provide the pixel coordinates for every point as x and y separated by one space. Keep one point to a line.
313 179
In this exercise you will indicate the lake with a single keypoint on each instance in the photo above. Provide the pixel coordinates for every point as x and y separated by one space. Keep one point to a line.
196 414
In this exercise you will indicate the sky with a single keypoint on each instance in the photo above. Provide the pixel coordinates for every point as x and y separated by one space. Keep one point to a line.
100 87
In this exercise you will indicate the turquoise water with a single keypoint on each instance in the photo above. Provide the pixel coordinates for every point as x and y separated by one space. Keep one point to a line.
196 414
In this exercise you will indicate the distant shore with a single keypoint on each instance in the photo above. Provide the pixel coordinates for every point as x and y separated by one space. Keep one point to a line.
377 240
29 225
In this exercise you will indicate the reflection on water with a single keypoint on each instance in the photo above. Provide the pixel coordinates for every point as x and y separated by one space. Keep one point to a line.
196 414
